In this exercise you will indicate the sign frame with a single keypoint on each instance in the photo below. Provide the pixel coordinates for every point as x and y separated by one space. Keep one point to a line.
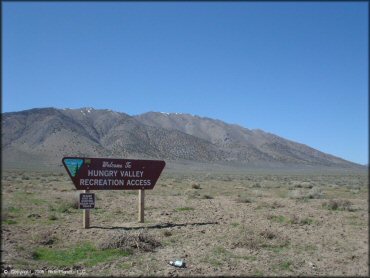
89 173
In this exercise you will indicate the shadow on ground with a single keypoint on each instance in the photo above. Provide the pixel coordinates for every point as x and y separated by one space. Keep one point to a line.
157 226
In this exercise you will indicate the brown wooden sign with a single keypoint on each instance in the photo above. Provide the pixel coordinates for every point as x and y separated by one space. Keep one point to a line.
112 174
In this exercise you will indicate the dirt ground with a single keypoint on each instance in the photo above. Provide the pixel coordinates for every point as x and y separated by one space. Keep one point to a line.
233 224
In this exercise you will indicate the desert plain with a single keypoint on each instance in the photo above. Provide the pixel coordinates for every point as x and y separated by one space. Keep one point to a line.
221 223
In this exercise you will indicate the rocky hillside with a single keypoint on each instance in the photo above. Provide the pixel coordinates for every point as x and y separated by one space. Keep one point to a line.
243 144
45 135
48 134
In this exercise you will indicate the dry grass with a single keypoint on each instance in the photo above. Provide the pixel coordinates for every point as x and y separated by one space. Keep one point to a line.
46 237
241 225
258 238
130 241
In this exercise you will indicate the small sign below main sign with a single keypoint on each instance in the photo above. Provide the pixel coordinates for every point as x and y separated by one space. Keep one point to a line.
87 200
113 174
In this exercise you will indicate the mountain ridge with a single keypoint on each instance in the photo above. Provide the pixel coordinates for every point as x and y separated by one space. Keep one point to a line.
48 134
234 135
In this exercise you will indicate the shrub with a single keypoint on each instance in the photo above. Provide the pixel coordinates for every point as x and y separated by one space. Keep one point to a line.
313 193
296 194
69 205
167 233
285 265
258 193
267 234
276 204
260 238
141 241
206 196
52 217
306 185
193 195
24 177
273 205
34 215
44 238
339 205
184 209
244 199
8 212
256 185
306 221
195 185
294 219
277 218
301 221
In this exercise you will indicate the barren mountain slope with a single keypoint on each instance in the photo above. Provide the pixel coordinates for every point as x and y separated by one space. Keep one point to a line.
46 135
241 143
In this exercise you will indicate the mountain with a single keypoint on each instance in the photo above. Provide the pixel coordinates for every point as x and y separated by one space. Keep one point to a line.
43 136
46 135
243 144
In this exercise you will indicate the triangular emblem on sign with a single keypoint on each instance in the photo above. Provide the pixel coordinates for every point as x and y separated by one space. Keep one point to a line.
73 165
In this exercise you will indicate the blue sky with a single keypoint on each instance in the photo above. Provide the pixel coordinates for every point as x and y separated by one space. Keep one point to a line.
298 70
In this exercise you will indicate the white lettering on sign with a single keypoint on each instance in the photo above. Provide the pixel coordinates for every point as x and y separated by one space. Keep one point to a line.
132 174
139 182
101 182
102 173
87 199
107 164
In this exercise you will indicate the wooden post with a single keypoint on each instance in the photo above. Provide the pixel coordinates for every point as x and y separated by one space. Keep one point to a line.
141 205
86 215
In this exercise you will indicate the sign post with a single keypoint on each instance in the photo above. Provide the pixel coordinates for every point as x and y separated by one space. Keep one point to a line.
86 215
87 202
141 205
113 174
